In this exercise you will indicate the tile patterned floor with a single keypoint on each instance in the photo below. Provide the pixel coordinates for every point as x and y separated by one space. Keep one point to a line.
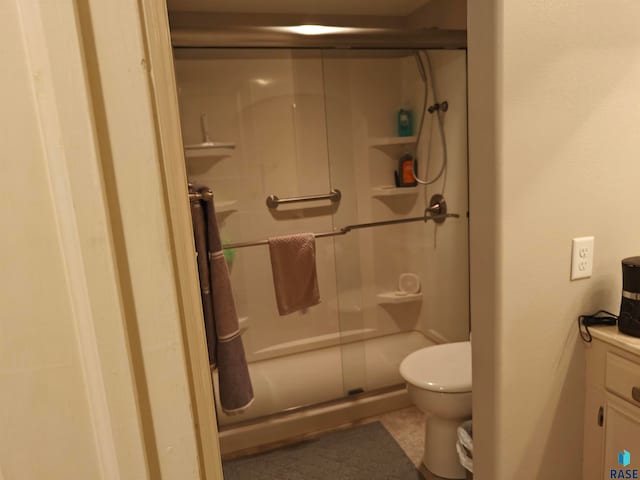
406 426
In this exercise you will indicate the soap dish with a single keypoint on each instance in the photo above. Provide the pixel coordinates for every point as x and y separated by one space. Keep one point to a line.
409 283
398 297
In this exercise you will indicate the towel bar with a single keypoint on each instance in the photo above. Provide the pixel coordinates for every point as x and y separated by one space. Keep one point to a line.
436 212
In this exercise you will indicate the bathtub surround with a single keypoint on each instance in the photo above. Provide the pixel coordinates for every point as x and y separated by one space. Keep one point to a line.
293 265
304 123
226 351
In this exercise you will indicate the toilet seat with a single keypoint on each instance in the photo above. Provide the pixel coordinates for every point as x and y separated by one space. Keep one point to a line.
442 368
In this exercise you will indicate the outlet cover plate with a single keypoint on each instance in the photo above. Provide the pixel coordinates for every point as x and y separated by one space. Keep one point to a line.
582 257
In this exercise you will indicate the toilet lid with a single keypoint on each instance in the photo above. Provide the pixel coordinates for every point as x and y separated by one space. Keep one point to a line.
441 368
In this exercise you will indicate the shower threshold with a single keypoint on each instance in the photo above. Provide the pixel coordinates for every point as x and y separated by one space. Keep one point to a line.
297 423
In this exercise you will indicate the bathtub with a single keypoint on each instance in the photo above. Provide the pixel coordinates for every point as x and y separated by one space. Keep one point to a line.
319 379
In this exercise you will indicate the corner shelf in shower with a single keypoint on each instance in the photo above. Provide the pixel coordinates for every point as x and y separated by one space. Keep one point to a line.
209 149
226 206
396 297
387 141
392 191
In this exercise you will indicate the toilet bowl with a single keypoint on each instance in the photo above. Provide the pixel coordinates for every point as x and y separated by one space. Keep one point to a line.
439 383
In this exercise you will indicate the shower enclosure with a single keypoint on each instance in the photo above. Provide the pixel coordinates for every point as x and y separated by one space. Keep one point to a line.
294 123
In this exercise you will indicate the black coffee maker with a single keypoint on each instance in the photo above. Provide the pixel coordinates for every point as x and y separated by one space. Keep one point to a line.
629 320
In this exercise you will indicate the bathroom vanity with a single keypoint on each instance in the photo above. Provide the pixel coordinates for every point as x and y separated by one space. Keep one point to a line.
612 408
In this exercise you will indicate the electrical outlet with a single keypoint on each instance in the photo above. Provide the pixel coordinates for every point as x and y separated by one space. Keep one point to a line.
581 258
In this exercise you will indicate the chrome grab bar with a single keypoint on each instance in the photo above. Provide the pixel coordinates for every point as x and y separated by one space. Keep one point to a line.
273 201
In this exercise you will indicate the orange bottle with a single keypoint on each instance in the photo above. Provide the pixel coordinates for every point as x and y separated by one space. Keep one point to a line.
404 175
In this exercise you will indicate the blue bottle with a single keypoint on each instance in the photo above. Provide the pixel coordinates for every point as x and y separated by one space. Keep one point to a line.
405 123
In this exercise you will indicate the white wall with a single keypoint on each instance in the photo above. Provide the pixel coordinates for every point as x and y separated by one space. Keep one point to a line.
46 420
554 149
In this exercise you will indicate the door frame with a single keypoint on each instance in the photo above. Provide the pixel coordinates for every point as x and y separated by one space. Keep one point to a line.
157 39
103 90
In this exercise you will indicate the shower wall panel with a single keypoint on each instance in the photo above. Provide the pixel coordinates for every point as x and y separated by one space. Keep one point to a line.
364 93
271 106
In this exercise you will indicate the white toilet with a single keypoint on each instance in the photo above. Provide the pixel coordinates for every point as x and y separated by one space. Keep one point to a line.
439 383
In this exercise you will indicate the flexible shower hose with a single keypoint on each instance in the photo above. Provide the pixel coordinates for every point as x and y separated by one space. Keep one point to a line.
426 76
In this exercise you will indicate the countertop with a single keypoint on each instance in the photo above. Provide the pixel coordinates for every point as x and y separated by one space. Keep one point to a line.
613 336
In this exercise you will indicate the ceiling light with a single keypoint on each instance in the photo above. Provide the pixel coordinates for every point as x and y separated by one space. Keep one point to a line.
262 81
315 29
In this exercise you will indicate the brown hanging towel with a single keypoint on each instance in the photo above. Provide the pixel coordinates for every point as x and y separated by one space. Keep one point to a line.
226 352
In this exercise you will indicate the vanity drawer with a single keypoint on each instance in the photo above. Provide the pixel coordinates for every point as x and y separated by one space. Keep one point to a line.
623 377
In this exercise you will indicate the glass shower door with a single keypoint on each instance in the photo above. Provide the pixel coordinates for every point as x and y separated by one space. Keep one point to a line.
364 89
364 93
269 105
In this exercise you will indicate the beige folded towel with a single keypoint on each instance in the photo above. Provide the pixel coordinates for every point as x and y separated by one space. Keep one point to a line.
293 264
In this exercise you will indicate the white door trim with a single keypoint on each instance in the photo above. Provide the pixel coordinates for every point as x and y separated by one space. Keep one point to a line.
164 97
133 279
